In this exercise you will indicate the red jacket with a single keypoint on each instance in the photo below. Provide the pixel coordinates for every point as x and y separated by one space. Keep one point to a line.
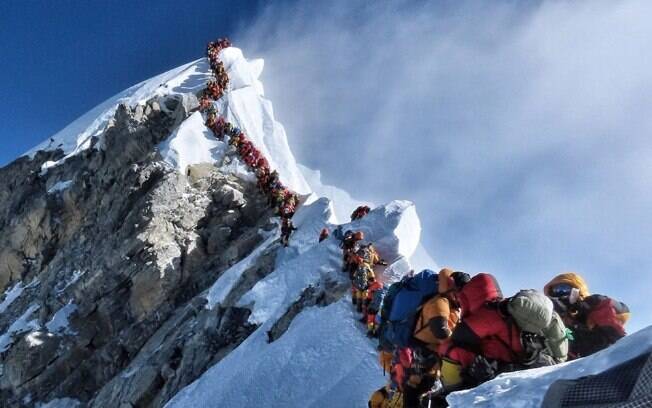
484 330
604 311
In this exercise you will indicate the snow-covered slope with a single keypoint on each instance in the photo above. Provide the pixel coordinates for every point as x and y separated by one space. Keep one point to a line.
526 389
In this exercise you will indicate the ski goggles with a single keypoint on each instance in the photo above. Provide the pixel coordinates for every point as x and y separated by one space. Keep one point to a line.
561 290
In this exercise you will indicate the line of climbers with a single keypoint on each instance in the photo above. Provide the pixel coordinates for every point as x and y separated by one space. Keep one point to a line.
359 260
281 198
447 331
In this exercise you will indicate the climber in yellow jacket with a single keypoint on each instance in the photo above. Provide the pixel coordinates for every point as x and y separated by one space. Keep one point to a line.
435 323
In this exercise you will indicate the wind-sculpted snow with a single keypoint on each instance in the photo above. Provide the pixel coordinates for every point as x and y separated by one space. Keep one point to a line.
342 204
525 389
394 229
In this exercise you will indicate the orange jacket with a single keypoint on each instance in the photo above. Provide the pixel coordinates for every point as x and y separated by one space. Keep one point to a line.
438 316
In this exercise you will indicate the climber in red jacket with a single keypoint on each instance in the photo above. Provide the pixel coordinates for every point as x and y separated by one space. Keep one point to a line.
596 321
483 336
324 234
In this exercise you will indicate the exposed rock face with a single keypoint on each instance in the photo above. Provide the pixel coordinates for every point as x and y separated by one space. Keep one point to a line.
127 246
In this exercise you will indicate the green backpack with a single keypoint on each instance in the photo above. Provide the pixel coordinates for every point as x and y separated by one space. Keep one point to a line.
533 313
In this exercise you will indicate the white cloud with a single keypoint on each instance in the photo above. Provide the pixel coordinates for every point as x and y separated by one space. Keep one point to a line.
521 132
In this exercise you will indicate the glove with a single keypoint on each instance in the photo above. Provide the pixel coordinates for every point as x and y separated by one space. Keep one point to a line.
482 370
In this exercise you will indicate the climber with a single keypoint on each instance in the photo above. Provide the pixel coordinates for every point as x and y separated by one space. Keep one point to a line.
262 163
287 227
370 255
362 276
350 245
214 90
435 323
289 204
211 117
262 175
245 147
273 181
204 103
215 124
492 337
379 398
278 198
400 371
596 321
324 234
228 129
375 294
387 396
360 212
286 210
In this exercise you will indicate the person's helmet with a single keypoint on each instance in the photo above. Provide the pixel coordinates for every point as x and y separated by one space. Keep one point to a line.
562 286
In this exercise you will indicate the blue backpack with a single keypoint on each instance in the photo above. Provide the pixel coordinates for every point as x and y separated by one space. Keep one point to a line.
401 308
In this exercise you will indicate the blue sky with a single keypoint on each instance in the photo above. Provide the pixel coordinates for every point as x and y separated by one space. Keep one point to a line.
522 129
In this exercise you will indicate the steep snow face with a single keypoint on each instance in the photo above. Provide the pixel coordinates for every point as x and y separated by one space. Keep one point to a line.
524 389
245 106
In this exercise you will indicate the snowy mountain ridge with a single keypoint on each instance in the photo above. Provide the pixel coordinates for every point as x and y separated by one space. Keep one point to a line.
280 328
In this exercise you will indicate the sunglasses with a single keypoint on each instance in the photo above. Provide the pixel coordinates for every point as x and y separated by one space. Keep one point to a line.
561 290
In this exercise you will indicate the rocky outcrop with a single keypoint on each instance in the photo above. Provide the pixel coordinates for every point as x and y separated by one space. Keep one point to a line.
113 250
